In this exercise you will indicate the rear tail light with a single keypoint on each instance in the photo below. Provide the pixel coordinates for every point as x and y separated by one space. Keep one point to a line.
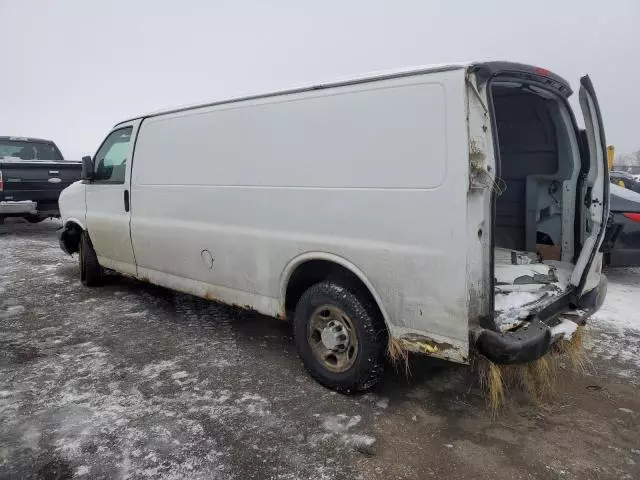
542 72
1 181
633 216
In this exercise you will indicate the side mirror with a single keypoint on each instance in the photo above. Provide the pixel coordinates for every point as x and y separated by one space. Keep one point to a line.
87 169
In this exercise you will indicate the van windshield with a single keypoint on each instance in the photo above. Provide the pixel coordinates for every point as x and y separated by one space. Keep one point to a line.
29 150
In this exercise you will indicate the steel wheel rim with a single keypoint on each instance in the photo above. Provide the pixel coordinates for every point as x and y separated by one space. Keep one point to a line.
333 338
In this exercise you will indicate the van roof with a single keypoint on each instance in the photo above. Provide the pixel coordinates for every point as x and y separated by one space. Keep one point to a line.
486 69
379 75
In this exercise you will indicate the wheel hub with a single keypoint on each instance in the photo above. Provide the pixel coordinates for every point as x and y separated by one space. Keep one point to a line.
335 336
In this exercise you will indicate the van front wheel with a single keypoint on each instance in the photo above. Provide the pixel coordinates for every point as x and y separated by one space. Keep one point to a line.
90 269
339 337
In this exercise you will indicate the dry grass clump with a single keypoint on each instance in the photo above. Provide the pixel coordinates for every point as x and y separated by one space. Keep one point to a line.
573 350
492 384
398 355
538 379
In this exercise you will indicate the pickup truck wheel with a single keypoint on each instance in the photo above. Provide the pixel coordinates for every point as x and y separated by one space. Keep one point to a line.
340 338
90 270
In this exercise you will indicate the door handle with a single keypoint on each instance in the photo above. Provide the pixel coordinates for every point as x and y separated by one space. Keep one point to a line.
126 200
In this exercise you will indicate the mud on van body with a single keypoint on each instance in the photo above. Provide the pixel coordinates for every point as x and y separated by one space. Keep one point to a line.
445 208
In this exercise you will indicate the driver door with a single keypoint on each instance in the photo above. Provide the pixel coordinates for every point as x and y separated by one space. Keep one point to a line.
108 200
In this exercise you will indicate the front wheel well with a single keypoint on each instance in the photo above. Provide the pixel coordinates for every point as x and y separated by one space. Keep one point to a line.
313 272
71 237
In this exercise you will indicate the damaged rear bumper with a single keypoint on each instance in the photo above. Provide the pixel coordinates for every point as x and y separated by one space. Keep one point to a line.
533 339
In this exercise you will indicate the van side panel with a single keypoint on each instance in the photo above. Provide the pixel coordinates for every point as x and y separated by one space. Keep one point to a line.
375 173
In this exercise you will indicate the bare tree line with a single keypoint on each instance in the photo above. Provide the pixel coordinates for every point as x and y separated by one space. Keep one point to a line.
628 162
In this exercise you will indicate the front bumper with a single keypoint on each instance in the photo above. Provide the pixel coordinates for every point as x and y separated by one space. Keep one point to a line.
26 207
533 339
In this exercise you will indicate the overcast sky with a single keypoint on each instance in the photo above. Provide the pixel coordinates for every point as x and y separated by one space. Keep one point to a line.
72 69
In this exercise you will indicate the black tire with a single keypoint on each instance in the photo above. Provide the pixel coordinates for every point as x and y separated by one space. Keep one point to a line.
368 326
91 272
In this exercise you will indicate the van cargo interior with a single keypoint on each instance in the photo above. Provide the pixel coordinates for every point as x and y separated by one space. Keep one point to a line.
534 218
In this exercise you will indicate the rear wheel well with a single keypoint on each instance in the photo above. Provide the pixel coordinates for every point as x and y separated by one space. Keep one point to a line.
313 272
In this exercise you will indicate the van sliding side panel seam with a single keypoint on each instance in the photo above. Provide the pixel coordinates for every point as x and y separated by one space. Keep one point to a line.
133 155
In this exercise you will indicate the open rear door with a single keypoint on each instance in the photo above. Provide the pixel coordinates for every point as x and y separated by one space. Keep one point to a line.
595 193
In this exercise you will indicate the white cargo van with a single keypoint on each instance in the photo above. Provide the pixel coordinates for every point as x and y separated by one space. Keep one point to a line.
444 208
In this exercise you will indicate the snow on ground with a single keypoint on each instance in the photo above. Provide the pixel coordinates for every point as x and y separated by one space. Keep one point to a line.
615 329
131 381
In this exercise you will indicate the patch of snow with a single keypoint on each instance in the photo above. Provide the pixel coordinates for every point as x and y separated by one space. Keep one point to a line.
224 396
125 466
12 311
337 428
614 331
625 410
620 308
513 307
82 470
340 423
251 397
380 402
505 273
31 437
255 404
358 440
152 370
566 328
504 302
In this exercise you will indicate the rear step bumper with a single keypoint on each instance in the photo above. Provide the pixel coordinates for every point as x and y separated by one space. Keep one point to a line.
532 340
18 208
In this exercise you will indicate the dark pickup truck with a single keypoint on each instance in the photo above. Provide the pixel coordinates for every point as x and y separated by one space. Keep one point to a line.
32 175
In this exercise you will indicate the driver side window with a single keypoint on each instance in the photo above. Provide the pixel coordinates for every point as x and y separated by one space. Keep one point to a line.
110 162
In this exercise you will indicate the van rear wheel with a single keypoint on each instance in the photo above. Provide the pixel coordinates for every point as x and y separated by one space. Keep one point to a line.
90 270
340 337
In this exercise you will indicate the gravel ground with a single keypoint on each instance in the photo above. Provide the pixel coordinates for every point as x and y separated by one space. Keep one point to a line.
133 381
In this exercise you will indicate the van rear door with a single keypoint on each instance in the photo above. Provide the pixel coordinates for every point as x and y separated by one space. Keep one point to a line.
595 193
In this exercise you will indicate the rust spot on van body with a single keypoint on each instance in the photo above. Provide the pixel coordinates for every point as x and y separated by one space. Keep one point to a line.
210 296
427 346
